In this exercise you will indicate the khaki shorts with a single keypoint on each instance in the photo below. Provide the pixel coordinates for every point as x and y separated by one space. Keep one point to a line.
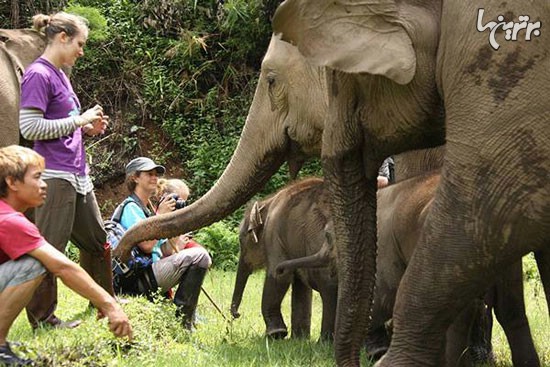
22 270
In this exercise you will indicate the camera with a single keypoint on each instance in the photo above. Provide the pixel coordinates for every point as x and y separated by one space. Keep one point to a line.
180 203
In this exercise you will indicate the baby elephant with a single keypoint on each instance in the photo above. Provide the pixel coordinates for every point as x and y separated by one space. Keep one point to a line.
290 224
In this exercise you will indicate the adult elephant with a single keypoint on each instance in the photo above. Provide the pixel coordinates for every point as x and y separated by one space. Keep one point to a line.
290 224
493 204
18 48
285 122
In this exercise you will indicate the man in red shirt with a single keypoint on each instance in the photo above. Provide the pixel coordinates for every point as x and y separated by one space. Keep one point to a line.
25 256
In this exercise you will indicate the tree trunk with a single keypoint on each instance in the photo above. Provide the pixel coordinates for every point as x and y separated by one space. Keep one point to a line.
14 13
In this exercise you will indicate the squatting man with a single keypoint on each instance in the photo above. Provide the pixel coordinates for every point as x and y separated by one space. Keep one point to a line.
25 256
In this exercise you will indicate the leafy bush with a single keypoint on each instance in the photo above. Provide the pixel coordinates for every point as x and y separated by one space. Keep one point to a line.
530 270
186 67
97 24
222 242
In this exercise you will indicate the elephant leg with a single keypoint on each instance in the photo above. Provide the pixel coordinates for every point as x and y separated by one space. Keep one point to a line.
301 309
377 342
510 313
480 346
543 263
456 347
329 297
272 297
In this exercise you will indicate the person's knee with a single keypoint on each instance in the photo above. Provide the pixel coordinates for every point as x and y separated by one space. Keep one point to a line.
34 269
196 256
205 261
21 271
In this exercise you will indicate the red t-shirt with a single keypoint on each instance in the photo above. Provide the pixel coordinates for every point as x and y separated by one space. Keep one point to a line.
18 235
191 243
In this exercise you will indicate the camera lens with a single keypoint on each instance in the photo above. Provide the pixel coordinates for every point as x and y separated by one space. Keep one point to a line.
180 204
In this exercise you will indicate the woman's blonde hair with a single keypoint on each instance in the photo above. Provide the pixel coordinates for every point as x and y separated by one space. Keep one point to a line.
56 23
14 162
171 186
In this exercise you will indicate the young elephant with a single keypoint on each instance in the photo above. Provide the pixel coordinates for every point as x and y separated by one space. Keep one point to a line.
285 226
402 209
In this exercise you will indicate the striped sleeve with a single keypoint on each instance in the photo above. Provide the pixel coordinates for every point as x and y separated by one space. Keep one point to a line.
34 126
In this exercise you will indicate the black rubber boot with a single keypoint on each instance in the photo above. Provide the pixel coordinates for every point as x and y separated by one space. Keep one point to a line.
8 358
187 295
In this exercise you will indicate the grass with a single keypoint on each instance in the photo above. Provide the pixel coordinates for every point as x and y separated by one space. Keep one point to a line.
160 341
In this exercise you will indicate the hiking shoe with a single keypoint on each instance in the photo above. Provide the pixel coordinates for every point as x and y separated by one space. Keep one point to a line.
8 358
56 323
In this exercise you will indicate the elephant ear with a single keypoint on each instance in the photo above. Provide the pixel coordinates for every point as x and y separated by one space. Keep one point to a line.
354 36
255 221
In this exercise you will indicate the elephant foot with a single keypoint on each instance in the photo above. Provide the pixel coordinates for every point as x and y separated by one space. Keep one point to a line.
278 333
375 354
377 342
481 355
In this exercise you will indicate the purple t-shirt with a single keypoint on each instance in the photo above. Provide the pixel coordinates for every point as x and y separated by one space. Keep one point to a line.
48 89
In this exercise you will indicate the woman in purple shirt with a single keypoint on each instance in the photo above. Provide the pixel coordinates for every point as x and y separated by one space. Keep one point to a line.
50 116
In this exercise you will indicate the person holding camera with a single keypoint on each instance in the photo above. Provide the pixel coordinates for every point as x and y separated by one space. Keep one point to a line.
178 190
185 269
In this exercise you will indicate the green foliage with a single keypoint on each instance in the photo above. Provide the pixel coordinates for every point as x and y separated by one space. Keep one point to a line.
72 252
186 67
222 242
97 23
530 270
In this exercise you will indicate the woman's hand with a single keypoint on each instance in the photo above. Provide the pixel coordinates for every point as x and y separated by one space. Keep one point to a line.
166 205
99 126
90 116
95 121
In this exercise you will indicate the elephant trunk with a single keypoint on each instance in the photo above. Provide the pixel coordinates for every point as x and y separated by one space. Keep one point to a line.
243 273
351 179
356 274
257 157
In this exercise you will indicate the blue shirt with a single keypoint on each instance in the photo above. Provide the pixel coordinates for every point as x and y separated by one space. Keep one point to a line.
132 214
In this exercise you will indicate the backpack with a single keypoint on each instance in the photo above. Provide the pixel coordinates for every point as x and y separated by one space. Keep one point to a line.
138 260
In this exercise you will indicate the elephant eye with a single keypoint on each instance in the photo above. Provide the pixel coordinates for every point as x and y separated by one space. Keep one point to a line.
270 81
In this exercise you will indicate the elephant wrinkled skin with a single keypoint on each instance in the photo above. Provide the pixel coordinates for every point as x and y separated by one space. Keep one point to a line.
18 48
287 225
493 203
